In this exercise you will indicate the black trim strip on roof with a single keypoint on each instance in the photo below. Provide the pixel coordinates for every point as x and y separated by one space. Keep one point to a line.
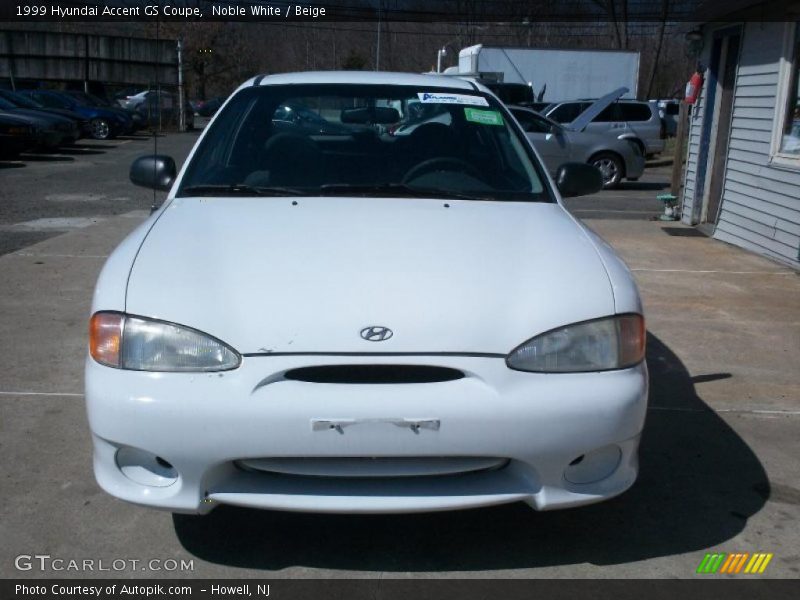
259 78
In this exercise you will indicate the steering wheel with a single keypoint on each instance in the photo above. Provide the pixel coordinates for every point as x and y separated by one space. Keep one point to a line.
442 162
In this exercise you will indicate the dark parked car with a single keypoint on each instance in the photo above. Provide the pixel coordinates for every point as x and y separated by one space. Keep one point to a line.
56 130
23 101
97 101
208 108
17 134
105 122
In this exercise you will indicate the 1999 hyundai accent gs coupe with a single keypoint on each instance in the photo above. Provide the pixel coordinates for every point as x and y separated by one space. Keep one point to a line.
366 317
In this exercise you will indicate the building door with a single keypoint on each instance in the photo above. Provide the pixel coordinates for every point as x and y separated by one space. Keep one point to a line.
717 125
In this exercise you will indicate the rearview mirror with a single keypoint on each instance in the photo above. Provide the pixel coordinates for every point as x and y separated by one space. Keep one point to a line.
578 179
155 171
373 115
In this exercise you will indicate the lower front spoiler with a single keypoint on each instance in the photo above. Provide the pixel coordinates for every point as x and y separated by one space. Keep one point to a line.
518 481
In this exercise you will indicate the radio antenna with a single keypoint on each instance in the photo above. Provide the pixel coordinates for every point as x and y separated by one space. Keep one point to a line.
154 206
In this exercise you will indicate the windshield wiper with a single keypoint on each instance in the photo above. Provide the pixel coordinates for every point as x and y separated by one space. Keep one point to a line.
395 189
239 189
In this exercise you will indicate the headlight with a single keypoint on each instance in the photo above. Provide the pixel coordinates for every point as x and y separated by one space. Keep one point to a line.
139 344
600 345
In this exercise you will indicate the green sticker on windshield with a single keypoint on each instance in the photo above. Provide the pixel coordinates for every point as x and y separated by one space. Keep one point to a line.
484 117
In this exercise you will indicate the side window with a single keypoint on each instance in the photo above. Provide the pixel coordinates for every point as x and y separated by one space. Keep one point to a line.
635 111
609 114
567 112
789 141
530 123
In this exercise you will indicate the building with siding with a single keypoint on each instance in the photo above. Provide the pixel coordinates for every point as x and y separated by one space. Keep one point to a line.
742 179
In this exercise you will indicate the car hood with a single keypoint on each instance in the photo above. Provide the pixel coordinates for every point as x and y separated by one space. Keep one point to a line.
268 276
594 109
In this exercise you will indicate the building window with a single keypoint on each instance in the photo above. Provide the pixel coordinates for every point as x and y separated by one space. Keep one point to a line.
790 131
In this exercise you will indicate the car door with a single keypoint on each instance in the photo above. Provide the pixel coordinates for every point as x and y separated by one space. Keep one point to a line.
547 137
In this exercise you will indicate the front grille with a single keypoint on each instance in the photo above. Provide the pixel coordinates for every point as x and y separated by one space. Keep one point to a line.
373 467
373 374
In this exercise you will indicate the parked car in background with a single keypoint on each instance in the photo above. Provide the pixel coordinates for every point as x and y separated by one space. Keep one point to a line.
161 109
538 106
55 130
298 118
17 135
668 111
626 119
158 108
23 101
616 159
403 324
104 122
207 108
97 101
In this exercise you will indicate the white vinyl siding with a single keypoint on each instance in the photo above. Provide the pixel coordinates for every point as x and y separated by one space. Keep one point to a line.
760 207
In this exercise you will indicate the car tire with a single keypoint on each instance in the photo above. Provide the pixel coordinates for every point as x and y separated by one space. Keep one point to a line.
101 130
610 167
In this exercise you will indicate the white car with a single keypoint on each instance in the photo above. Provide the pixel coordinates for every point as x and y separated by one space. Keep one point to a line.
364 322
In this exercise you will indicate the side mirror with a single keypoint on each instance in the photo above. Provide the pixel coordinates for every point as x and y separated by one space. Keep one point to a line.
578 179
155 171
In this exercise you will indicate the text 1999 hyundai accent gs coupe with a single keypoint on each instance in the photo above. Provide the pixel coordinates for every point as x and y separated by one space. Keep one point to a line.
394 313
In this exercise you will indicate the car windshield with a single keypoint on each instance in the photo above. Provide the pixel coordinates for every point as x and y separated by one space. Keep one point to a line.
341 139
87 99
54 101
79 98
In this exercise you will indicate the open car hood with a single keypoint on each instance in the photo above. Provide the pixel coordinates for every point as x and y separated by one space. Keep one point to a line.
595 109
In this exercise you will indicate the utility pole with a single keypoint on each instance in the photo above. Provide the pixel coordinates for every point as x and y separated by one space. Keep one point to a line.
181 97
378 45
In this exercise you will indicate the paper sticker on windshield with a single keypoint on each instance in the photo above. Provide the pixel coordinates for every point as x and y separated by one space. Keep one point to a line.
484 117
445 98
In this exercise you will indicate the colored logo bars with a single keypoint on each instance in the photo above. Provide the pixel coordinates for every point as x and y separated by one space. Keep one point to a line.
735 563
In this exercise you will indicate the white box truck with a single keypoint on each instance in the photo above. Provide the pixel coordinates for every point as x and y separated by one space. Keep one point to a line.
562 74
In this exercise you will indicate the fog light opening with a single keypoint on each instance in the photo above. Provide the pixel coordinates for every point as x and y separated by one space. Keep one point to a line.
145 468
594 466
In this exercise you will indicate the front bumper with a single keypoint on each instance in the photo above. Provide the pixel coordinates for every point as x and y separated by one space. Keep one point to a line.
203 424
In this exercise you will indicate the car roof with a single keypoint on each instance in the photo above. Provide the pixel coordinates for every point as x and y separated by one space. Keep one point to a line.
361 77
527 109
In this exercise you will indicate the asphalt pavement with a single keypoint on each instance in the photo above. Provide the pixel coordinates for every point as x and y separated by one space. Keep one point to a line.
719 466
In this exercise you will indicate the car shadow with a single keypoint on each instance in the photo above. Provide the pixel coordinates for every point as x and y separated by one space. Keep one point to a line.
11 164
90 144
80 151
46 156
699 484
643 185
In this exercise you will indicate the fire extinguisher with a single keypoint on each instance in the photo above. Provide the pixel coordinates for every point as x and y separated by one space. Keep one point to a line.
693 88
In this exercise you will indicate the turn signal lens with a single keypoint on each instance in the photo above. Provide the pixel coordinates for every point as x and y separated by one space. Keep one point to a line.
105 335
